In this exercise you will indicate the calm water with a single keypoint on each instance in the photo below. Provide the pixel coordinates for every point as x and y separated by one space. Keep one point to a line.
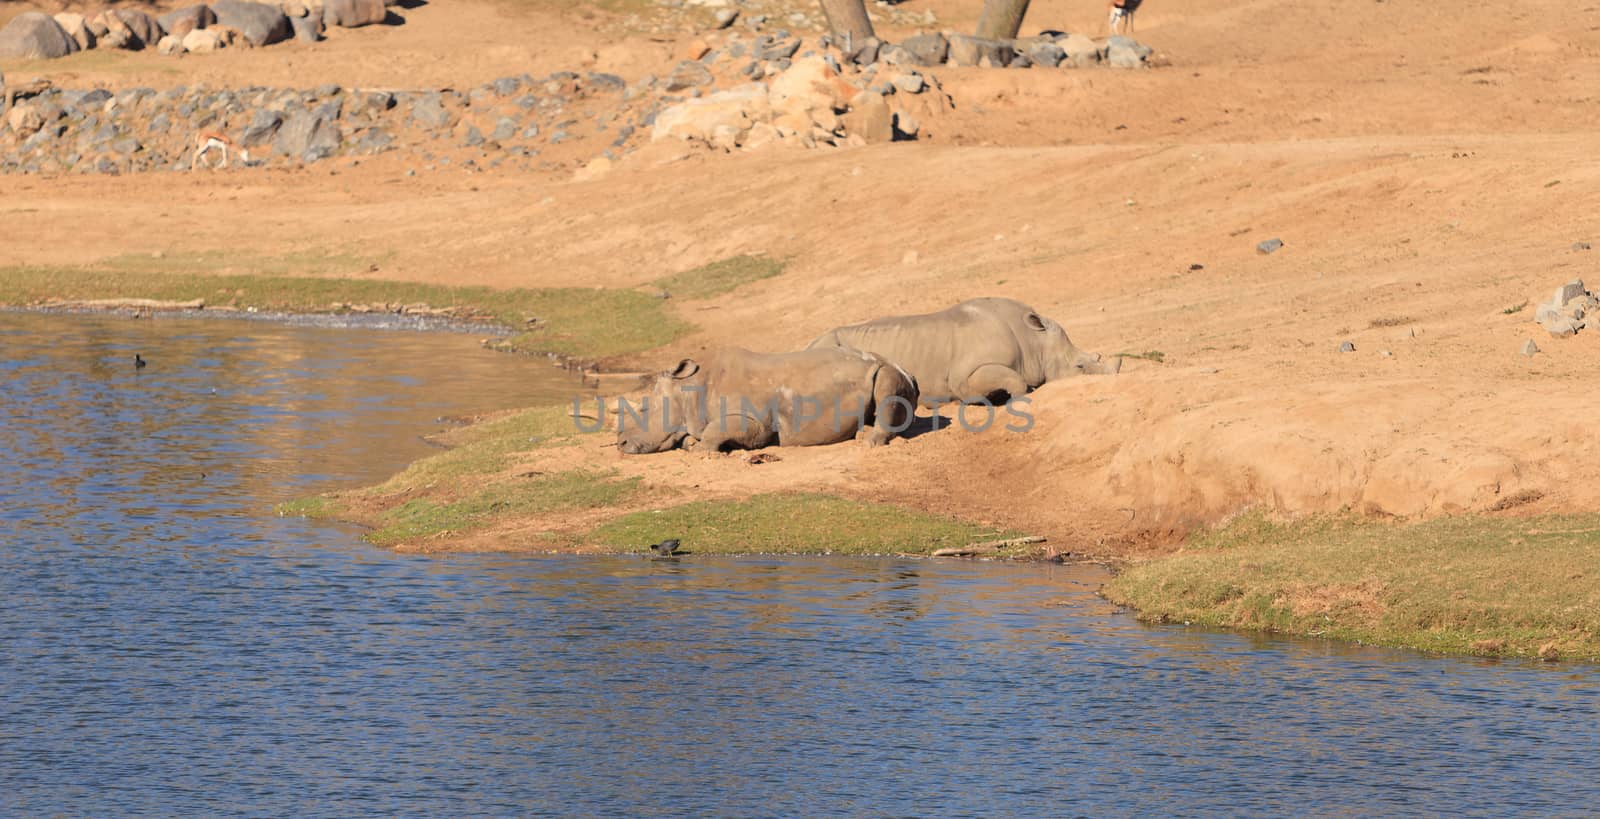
169 646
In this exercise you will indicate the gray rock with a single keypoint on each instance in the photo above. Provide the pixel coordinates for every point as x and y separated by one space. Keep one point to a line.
307 135
126 146
94 100
725 17
1347 347
374 141
263 128
1529 348
1567 292
505 129
506 86
107 166
474 137
905 126
530 132
689 74
145 31
1125 52
160 124
353 13
909 83
527 101
927 49
260 23
1269 247
188 17
430 112
1559 327
307 29
1048 55
599 83
35 36
971 51
776 48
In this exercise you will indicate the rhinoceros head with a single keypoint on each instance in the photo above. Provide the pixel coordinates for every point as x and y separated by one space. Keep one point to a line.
661 420
1058 357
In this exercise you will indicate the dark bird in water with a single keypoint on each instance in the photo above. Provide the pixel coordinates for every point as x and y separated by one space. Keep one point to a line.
666 548
139 362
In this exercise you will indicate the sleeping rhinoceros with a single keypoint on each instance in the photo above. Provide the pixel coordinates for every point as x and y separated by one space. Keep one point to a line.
981 349
732 398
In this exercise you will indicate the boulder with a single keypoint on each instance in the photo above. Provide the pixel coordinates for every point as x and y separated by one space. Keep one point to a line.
77 28
739 107
307 29
1125 52
870 118
35 36
810 85
430 112
143 30
927 49
353 13
262 129
1078 51
689 74
170 45
969 51
260 23
25 120
308 136
1567 292
202 41
187 19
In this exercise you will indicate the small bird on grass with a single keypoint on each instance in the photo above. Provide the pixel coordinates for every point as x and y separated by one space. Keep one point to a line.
139 362
666 548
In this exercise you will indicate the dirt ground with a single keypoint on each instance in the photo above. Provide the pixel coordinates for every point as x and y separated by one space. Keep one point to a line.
1427 166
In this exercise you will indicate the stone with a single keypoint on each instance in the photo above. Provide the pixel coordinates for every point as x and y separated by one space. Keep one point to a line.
374 141
1347 347
1547 312
739 107
1125 52
307 29
187 19
202 41
771 48
505 129
760 136
353 13
1047 55
689 74
696 49
906 126
1269 246
25 120
725 17
506 86
1559 327
1575 245
263 128
530 132
77 28
972 51
810 84
866 53
927 49
126 146
473 137
1529 348
1079 51
170 45
596 82
1567 292
260 23
430 112
870 118
33 35
909 83
725 137
144 31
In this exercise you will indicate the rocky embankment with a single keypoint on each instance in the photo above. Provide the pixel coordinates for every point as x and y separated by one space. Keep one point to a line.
732 92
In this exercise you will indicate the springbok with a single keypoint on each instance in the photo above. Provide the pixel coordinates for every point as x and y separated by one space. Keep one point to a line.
206 141
1122 12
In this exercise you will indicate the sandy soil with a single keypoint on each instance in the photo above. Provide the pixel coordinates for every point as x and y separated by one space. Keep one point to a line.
1426 165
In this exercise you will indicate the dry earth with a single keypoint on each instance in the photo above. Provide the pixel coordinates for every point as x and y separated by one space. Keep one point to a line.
1426 165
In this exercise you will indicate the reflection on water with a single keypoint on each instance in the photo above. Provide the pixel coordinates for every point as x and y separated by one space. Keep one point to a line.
165 646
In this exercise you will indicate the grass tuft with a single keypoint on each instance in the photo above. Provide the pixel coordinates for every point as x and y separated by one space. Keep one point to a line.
716 278
1514 309
1148 355
430 517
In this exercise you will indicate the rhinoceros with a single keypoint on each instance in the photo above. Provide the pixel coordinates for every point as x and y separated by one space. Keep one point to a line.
732 398
988 349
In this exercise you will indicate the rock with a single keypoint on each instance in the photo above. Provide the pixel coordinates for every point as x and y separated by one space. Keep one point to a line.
93 100
506 86
1567 292
1125 52
263 128
1547 312
1560 327
307 29
774 48
25 120
870 118
971 51
430 112
689 74
187 19
1347 347
724 137
696 49
260 23
866 53
505 129
353 13
596 82
927 49
170 45
32 35
739 107
143 30
760 136
126 146
530 132
308 136
725 17
809 85
905 126
76 28
1529 348
374 141
1269 247
202 41
473 137
1575 245
1080 51
909 83
1048 55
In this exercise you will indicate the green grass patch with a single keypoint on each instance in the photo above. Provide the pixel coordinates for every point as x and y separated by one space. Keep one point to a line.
424 518
792 524
1148 355
573 321
1515 308
716 278
483 450
1467 585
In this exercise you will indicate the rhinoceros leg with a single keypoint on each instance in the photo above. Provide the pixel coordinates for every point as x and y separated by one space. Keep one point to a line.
995 383
894 402
736 431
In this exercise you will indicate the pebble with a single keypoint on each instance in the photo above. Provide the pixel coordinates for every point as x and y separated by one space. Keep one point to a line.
1270 246
1529 348
1347 347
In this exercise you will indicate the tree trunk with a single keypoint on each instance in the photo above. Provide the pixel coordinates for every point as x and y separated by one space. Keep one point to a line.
849 22
1001 19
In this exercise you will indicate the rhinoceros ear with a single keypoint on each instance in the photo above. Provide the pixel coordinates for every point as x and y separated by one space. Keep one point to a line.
686 368
1034 322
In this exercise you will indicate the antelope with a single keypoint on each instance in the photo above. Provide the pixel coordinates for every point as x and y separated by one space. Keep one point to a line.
206 141
1122 12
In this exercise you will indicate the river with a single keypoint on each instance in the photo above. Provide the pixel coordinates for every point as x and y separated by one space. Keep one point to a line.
168 645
